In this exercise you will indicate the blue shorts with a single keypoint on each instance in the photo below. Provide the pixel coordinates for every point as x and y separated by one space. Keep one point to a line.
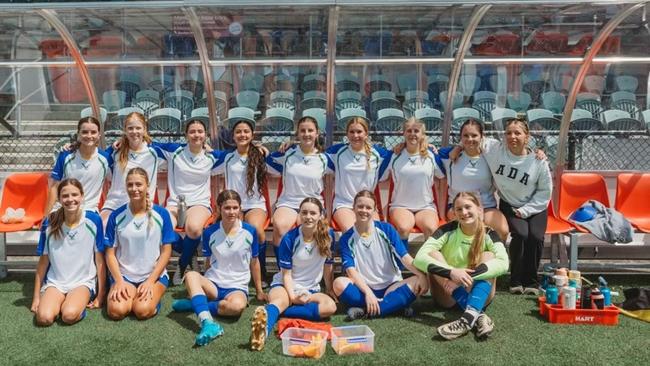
274 285
164 280
223 292
380 293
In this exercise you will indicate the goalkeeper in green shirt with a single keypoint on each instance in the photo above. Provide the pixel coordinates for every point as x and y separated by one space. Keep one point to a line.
464 258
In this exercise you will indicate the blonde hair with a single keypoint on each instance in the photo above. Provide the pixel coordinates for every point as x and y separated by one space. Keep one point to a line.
423 144
366 143
123 150
476 248
321 235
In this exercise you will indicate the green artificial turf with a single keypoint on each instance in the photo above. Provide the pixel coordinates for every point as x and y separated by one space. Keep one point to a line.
520 337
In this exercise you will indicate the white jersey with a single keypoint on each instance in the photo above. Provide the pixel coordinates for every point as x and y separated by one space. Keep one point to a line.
72 256
147 158
352 171
377 257
469 174
303 259
234 167
302 175
137 240
91 173
188 174
523 181
412 176
230 256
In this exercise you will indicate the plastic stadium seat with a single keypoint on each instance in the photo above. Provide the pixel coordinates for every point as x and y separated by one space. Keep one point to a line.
555 225
147 100
202 114
88 112
543 119
485 102
161 85
432 118
378 83
582 120
313 99
414 100
29 192
382 100
130 84
468 84
283 82
346 100
313 82
519 101
460 115
632 193
618 120
535 88
319 114
625 101
389 119
114 100
346 115
221 102
437 83
594 84
627 83
590 102
500 116
194 86
347 84
117 123
282 99
252 82
248 99
278 119
183 100
457 101
166 120
553 101
576 189
407 82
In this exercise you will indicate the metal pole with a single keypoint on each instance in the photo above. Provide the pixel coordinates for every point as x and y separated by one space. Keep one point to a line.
51 17
332 27
195 25
465 42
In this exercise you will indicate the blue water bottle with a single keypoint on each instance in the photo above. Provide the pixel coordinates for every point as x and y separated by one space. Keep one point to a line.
605 291
552 294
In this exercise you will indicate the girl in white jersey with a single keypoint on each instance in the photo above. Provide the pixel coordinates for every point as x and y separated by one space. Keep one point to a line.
138 246
371 252
412 171
232 248
83 161
470 172
71 260
244 170
134 151
302 168
357 166
305 257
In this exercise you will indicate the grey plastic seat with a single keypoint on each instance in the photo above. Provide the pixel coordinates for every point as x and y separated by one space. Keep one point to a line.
625 101
594 84
542 119
519 101
194 86
252 82
183 100
313 82
117 123
377 83
147 100
414 100
485 102
432 118
619 120
382 99
590 102
437 83
114 100
130 84
460 115
278 119
283 82
248 99
161 85
582 120
347 100
500 116
167 120
553 101
389 119
202 114
627 83
348 84
407 82
313 99
457 100
220 100
319 114
88 112
282 99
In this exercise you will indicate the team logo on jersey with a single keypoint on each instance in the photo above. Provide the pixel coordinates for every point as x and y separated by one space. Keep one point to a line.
85 165
305 160
137 225
72 234
309 249
473 163
133 156
413 160
243 161
229 241
365 240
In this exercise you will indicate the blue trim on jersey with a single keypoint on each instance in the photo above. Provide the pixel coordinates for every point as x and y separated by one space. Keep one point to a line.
398 249
289 242
57 171
92 216
270 160
167 233
207 233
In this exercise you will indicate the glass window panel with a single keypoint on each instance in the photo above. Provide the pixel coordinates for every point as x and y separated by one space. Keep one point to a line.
29 37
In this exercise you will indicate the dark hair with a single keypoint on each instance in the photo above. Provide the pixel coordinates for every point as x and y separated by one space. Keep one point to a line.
195 121
321 236
365 193
472 122
312 120
57 218
123 150
256 166
476 248
90 119
228 194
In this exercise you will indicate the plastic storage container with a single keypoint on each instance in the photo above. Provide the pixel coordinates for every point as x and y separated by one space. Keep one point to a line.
353 339
556 314
299 342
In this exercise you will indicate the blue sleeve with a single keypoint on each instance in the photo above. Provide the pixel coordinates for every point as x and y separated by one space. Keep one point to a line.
330 260
286 250
443 152
168 235
334 149
57 171
99 235
165 147
270 160
385 163
42 238
220 157
207 252
394 238
382 151
347 257
109 157
109 234
255 245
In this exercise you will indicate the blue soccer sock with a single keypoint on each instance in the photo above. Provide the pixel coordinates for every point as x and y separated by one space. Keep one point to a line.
461 296
272 315
200 306
276 251
479 295
396 300
308 311
352 296
214 307
189 248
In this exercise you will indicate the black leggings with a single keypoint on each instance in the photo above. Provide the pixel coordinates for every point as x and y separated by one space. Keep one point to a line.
525 246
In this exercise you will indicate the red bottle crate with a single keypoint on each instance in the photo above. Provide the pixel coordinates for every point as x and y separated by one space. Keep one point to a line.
556 314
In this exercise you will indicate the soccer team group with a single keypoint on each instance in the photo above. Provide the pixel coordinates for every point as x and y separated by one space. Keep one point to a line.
117 256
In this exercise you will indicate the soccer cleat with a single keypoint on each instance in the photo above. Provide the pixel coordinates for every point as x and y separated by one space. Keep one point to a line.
258 328
455 329
355 313
484 326
210 330
531 291
182 305
177 279
516 290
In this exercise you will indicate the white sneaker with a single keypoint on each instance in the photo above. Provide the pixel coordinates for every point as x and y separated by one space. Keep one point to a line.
516 290
455 329
531 291
484 326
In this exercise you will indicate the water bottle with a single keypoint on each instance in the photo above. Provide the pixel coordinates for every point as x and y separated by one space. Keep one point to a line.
569 297
182 211
597 299
552 294
607 294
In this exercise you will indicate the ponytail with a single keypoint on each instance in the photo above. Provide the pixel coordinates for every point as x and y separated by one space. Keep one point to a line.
478 243
123 150
255 168
321 234
367 147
